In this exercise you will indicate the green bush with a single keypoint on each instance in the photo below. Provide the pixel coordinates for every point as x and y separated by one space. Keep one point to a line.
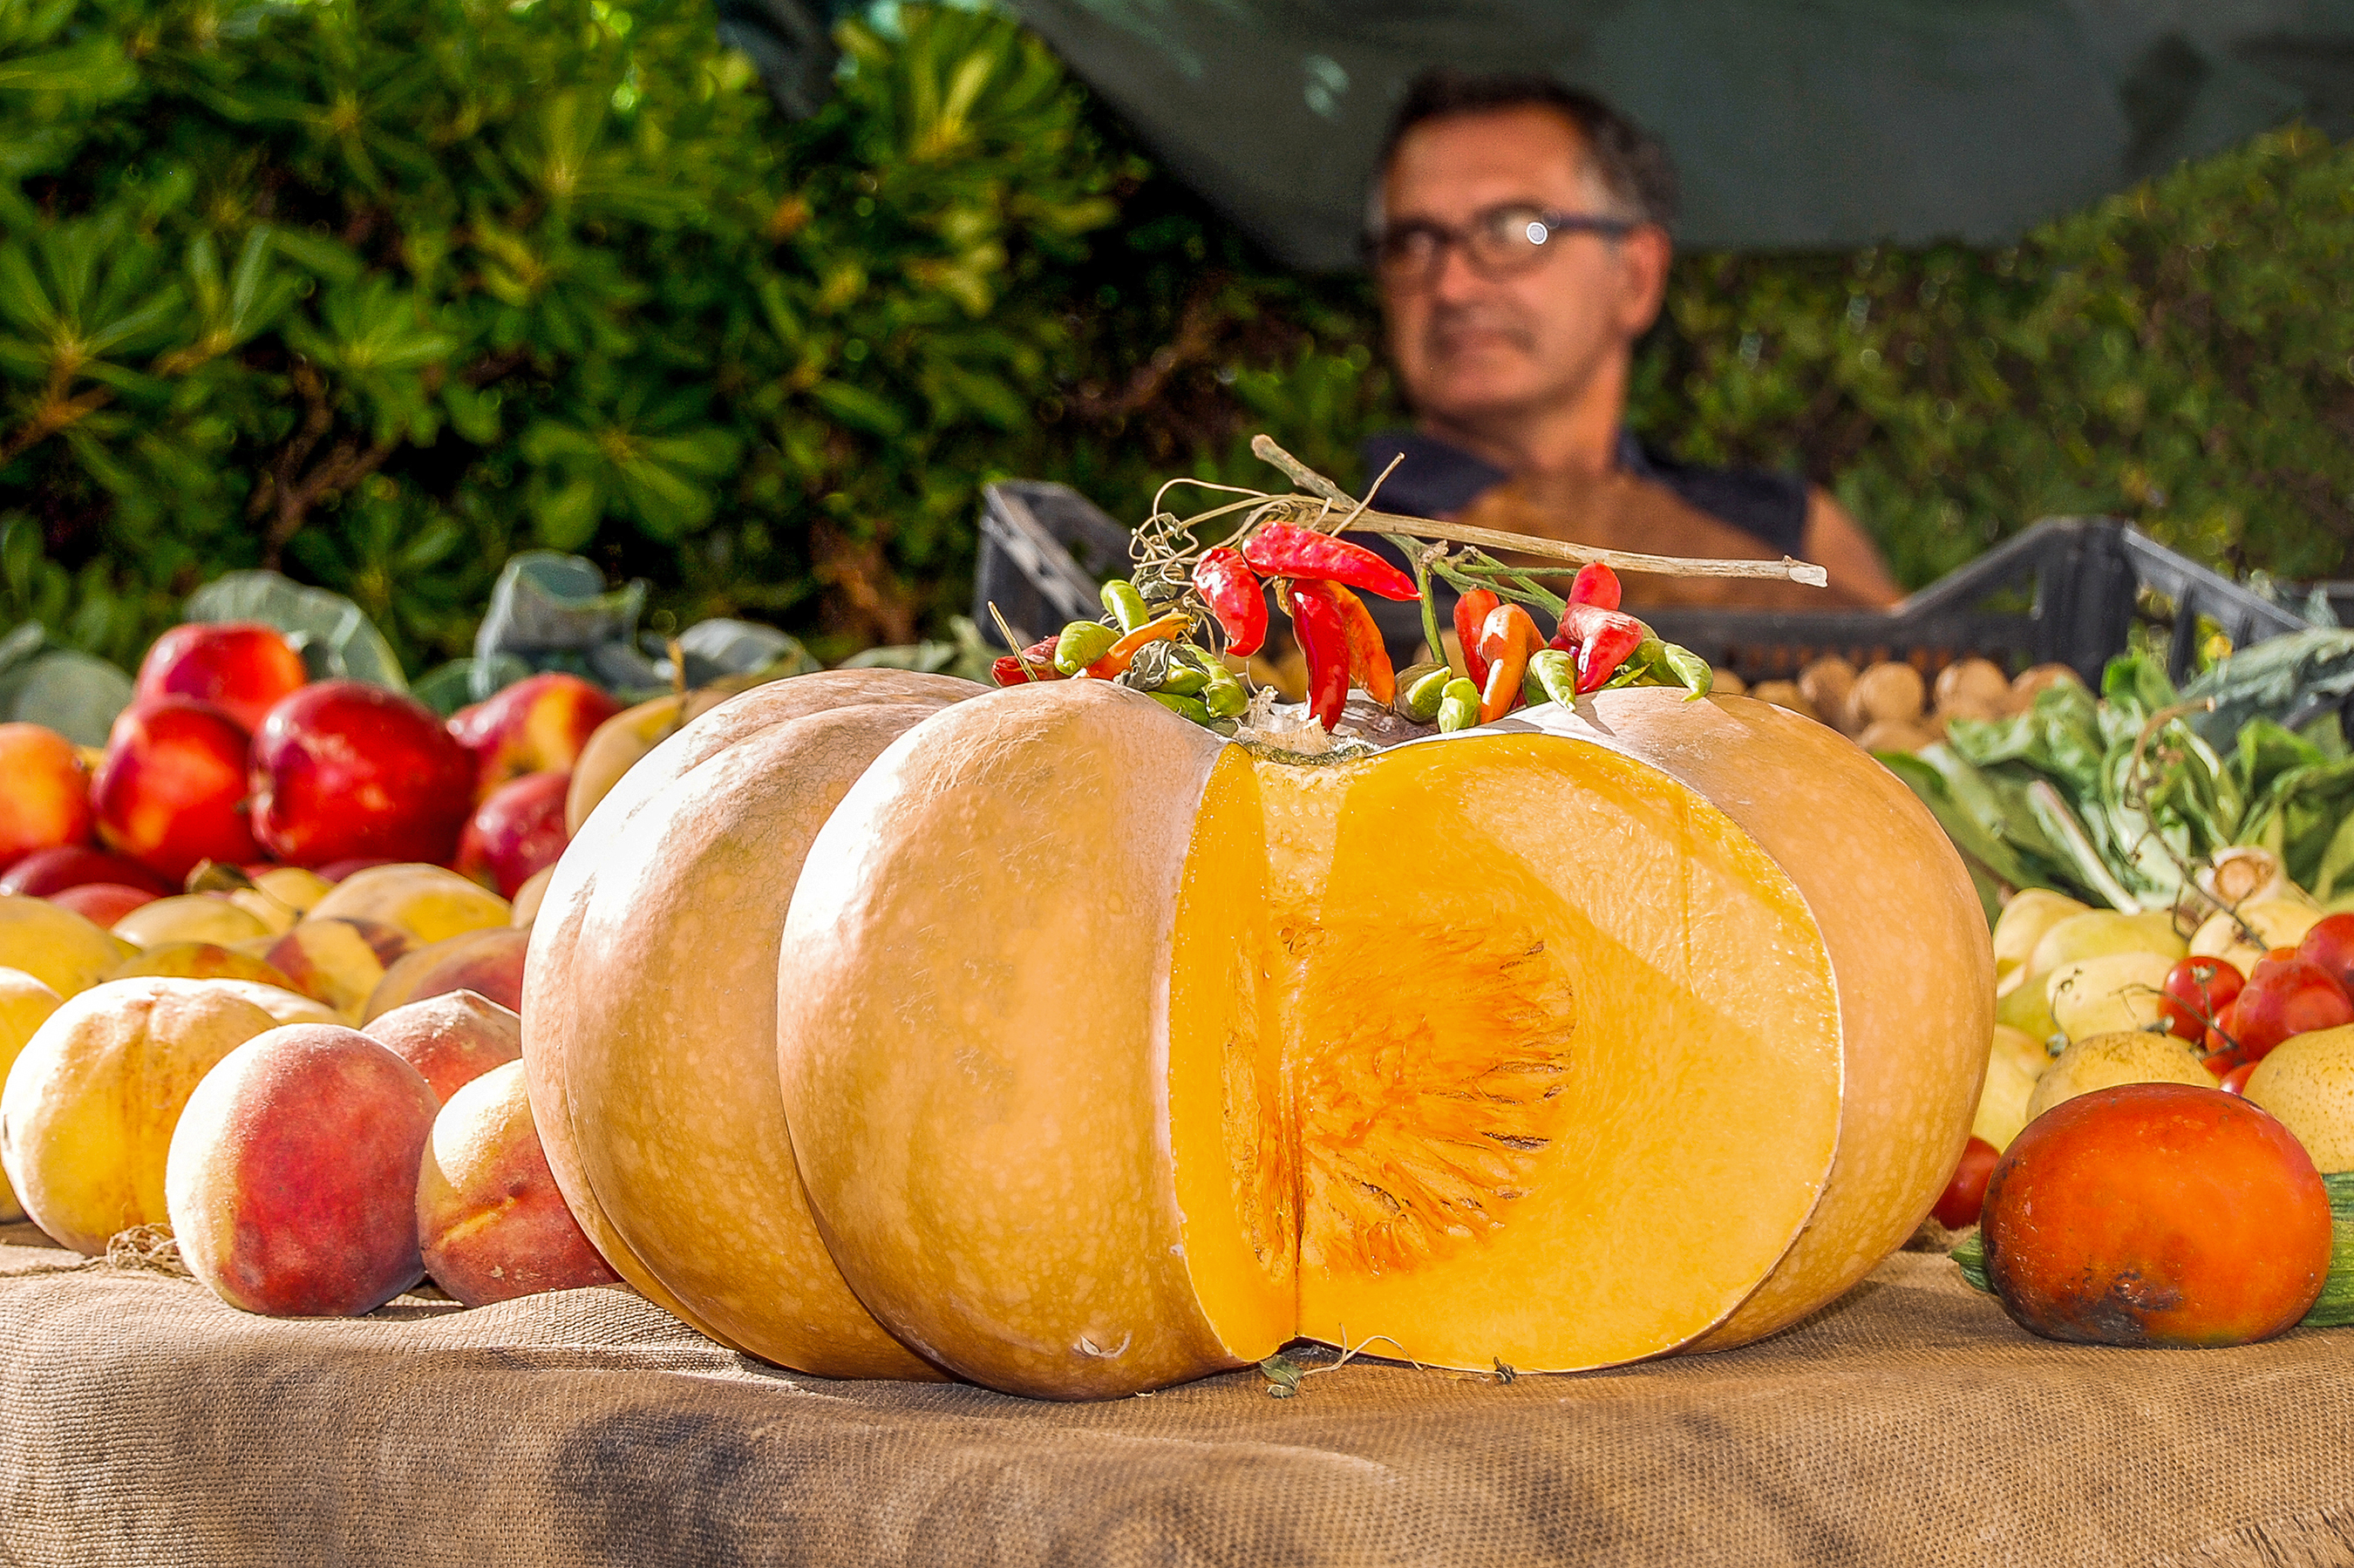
383 291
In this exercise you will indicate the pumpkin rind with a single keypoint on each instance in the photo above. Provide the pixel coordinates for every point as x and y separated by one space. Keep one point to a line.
597 991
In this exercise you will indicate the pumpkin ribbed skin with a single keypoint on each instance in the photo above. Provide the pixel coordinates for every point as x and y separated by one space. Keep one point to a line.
648 1007
1118 1058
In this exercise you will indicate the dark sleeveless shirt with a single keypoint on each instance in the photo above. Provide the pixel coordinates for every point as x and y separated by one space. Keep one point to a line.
1438 479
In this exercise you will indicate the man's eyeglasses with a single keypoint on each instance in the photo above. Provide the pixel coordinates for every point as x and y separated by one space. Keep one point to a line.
1500 243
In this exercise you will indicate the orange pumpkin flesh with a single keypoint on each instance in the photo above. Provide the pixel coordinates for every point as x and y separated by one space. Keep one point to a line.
1114 1055
2160 1214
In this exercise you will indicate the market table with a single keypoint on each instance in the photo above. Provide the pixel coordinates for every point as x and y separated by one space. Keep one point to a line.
145 1422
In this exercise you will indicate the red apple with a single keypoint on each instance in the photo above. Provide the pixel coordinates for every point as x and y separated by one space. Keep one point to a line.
536 725
2287 995
171 790
515 833
1964 1196
241 667
52 871
343 769
101 903
336 869
2329 942
46 802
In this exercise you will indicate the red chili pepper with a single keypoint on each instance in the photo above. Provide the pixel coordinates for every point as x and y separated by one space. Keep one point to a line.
1602 639
1506 638
1324 637
1279 550
1039 656
1471 612
1369 660
1597 584
1235 597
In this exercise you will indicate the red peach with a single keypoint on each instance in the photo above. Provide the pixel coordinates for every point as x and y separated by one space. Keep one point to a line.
452 1039
170 791
488 962
51 871
239 666
292 1181
47 800
101 903
515 834
536 725
342 770
491 1223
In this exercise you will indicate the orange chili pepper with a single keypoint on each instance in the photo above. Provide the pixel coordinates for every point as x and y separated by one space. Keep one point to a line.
1471 613
1123 654
1507 639
1369 659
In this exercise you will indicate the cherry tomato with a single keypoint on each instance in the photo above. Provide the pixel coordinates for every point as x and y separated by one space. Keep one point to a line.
2287 995
2236 1082
2221 1062
1958 1206
2196 990
2330 944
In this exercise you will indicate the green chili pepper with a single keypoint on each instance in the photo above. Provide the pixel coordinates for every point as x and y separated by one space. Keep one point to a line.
1419 691
1458 705
1184 707
1126 605
1183 681
1552 677
1691 671
1225 695
1081 644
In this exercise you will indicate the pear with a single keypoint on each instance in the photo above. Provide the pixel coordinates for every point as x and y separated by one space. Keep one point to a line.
2030 912
2098 933
2105 1061
2276 922
2308 1082
2106 994
2014 1062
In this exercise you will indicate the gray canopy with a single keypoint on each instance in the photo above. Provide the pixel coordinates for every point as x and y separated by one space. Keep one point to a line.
1795 124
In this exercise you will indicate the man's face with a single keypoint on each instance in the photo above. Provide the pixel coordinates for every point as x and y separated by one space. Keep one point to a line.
1468 346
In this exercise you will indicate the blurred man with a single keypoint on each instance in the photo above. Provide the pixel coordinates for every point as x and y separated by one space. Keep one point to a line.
1521 242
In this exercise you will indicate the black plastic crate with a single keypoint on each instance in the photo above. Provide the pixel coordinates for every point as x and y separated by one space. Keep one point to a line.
2068 590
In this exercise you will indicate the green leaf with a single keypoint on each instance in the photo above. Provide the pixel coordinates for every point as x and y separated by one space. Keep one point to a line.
859 408
73 693
336 639
566 518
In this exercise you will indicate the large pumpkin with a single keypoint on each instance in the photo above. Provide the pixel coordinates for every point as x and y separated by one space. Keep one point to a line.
1113 1054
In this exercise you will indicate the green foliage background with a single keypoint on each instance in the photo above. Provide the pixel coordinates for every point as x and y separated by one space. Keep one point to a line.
382 290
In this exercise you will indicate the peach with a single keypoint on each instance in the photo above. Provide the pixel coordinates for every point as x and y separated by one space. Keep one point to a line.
280 895
86 1120
488 962
514 835
529 897
189 918
199 961
101 903
24 1005
539 724
344 768
291 1183
339 960
489 1222
56 947
452 1039
429 902
172 788
284 1006
241 667
52 871
46 802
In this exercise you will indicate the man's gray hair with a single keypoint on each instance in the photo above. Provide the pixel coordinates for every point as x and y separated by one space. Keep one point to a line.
1630 163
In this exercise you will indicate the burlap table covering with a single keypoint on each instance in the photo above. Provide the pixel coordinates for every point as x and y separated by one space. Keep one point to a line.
147 1424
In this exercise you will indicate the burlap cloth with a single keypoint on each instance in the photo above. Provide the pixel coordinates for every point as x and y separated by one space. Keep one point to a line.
145 1422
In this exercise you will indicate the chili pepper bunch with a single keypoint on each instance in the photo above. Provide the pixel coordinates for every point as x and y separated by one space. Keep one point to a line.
1507 659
